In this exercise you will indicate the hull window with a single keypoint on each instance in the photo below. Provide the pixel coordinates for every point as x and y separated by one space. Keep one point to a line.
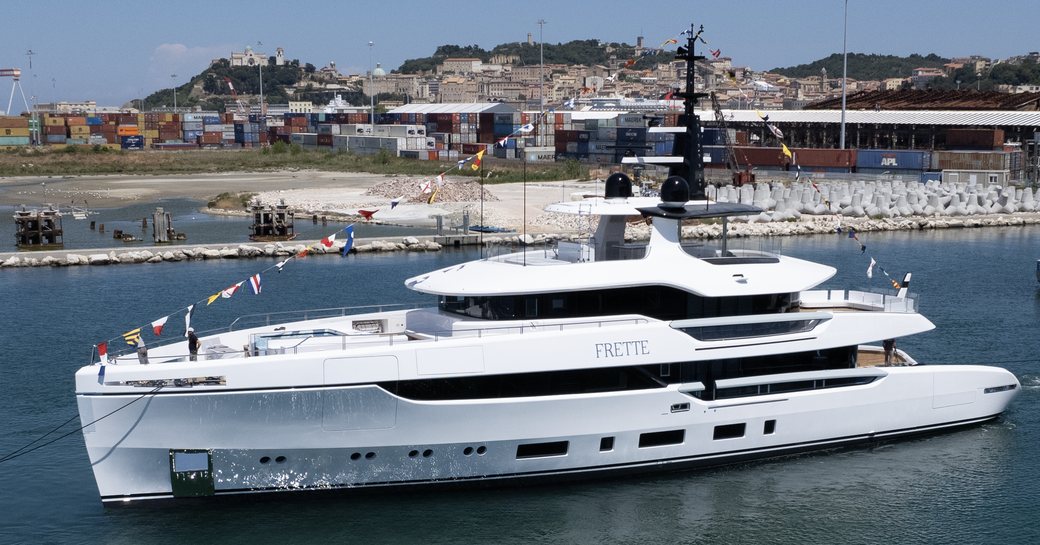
542 450
729 431
769 428
661 438
606 444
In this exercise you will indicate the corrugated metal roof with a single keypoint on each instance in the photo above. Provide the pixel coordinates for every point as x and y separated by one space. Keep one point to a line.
455 108
885 117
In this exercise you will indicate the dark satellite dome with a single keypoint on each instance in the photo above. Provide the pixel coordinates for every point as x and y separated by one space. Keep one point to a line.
618 186
675 192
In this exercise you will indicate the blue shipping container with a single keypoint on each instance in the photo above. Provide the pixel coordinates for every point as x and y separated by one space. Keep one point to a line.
716 155
931 176
631 135
135 142
893 159
94 120
191 136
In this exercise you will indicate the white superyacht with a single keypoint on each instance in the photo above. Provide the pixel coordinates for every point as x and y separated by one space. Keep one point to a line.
590 358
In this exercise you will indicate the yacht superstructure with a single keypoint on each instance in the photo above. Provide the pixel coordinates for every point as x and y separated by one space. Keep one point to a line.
587 358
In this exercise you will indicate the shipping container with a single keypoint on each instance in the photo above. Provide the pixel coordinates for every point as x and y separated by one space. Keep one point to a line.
825 158
631 135
893 159
15 132
14 140
761 157
132 142
126 130
971 160
14 122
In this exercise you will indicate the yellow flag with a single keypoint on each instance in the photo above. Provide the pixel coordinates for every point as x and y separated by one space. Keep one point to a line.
787 152
131 336
212 298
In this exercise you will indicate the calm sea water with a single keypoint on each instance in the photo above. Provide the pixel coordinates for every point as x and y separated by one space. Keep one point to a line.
187 218
974 486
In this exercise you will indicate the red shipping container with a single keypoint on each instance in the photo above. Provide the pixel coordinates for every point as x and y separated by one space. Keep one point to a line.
824 157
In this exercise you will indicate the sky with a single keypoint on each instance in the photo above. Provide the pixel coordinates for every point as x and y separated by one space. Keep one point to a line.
112 51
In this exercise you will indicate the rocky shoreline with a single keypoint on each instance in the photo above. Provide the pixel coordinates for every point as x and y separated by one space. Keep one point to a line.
738 227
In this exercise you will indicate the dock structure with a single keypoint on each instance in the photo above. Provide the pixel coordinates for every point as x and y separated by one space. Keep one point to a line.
38 229
271 223
162 228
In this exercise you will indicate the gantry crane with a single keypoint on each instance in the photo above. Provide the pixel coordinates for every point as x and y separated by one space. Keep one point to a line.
240 106
16 75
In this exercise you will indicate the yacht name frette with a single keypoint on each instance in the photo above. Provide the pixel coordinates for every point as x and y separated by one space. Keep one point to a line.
622 348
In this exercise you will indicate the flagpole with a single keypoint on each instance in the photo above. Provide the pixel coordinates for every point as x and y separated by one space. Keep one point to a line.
525 208
480 174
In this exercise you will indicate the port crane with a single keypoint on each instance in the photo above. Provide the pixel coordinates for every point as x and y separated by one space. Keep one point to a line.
240 106
16 76
740 177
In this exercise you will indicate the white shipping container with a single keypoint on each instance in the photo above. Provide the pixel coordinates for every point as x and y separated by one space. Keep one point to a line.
540 154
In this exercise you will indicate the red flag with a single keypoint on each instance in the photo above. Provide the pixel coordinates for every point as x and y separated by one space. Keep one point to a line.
303 253
715 52
367 214
102 350
327 241
158 325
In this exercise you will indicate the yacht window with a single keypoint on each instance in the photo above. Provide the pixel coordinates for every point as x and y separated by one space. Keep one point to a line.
661 302
729 431
542 450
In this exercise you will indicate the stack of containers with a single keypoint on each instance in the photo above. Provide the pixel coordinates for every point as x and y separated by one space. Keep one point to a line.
170 128
247 134
151 128
54 129
79 132
213 130
192 126
14 131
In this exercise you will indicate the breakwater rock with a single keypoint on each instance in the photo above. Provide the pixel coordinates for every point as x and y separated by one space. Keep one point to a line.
241 251
884 199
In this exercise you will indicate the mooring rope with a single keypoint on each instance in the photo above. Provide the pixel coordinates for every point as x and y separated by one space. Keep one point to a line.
26 450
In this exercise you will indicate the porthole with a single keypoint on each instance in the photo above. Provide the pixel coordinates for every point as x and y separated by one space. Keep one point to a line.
370 455
467 451
280 460
413 454
427 453
265 459
355 456
481 450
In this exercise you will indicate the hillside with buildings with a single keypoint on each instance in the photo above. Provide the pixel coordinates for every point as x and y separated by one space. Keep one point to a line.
573 75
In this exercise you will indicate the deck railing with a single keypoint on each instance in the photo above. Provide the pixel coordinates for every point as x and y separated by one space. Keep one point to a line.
859 300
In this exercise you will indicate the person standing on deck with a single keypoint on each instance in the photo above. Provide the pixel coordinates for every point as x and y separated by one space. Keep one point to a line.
193 344
142 351
890 347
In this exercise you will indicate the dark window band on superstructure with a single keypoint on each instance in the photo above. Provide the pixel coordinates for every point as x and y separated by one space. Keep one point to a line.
642 377
660 302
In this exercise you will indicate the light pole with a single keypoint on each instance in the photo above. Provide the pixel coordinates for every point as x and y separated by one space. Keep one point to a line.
844 70
371 90
978 81
260 65
172 76
541 67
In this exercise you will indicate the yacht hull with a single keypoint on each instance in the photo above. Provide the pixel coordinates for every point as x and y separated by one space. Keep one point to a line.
349 437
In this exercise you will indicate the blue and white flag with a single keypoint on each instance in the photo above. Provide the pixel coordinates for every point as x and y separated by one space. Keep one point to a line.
187 319
349 242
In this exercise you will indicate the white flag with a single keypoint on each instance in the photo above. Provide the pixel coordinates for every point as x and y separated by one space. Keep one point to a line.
870 269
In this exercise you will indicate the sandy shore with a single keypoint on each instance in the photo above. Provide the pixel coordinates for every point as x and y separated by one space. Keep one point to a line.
115 191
